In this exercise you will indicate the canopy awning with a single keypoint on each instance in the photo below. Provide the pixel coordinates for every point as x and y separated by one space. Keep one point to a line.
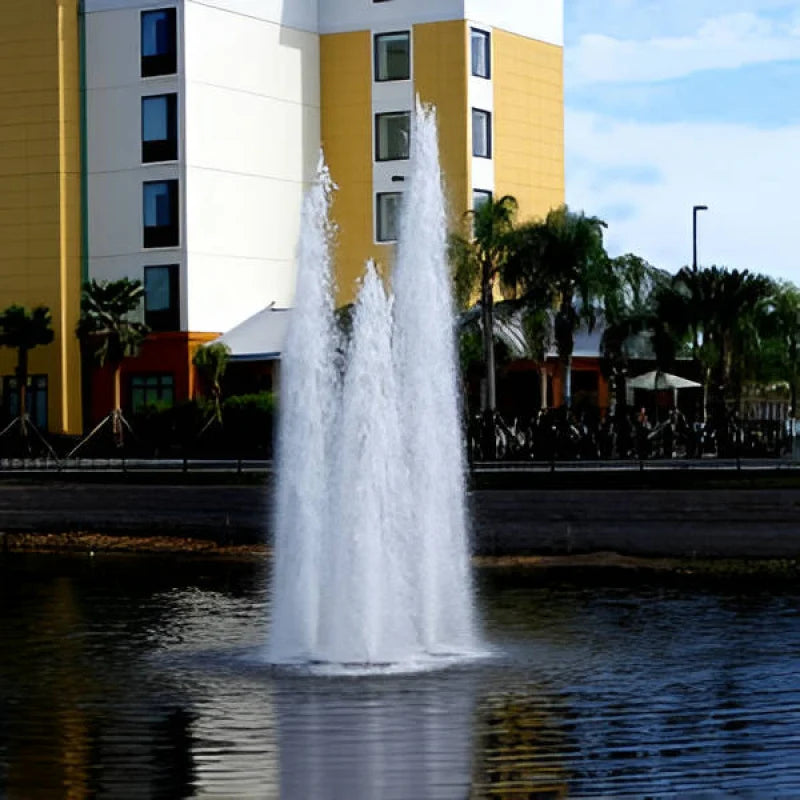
258 338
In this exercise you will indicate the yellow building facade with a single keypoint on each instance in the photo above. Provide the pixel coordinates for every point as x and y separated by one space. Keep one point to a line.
515 87
40 196
493 70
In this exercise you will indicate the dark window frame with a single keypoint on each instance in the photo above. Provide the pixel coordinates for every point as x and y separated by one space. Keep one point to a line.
378 118
488 116
165 381
484 193
379 218
154 150
163 63
166 319
162 235
487 38
375 50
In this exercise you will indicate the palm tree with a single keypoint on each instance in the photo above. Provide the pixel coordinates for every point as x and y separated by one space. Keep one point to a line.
478 257
564 253
722 306
630 313
782 324
211 362
24 330
107 328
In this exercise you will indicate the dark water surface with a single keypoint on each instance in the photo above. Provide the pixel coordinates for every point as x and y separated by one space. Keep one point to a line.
133 677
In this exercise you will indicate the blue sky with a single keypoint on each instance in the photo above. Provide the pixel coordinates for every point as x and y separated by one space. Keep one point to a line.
675 103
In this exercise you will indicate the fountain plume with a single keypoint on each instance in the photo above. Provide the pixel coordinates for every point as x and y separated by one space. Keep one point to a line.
371 559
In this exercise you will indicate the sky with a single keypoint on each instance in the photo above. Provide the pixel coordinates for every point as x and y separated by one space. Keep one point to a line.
676 103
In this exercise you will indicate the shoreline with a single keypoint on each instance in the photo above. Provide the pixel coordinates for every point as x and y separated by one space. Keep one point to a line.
591 565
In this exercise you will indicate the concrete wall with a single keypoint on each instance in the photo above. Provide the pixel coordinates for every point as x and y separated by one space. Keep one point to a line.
115 170
718 522
249 129
757 523
528 83
253 132
347 142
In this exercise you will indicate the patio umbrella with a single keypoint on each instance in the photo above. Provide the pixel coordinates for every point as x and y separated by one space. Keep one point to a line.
655 381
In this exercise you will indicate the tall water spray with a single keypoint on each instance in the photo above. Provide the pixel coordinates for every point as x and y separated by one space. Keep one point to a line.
425 362
371 560
308 392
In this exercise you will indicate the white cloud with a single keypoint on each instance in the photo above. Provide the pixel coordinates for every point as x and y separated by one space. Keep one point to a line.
724 42
749 178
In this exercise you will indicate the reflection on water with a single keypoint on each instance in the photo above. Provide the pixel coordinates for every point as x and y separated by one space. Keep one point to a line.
405 738
139 678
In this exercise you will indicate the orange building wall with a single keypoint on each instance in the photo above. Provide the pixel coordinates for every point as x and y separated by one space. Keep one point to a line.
161 353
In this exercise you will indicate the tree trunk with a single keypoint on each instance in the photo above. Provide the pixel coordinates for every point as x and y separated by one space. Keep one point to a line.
543 387
22 384
568 381
621 414
116 414
117 387
487 318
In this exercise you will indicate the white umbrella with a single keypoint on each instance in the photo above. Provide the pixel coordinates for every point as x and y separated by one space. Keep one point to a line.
656 380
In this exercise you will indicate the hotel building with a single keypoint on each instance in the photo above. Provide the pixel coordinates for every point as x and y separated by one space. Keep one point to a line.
171 142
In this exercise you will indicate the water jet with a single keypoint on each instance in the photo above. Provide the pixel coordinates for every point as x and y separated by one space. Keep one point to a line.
371 559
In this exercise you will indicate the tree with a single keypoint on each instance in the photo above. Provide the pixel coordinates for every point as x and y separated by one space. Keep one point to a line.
723 307
478 257
781 320
107 328
24 330
211 361
631 319
564 253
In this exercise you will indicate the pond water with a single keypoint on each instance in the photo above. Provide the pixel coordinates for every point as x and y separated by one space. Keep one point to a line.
133 677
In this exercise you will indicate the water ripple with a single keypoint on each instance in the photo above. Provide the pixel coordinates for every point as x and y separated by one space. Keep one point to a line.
122 680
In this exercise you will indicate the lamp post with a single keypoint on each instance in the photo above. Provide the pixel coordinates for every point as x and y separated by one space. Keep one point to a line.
695 209
695 337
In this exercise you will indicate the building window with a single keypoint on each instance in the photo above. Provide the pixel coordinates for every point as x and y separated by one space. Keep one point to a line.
481 53
159 43
160 127
35 399
480 197
388 216
162 309
152 391
393 56
161 213
392 133
481 133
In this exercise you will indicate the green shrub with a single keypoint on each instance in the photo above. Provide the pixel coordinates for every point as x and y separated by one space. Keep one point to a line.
247 423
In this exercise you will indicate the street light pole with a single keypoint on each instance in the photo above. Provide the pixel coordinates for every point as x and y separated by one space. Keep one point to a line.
695 337
695 209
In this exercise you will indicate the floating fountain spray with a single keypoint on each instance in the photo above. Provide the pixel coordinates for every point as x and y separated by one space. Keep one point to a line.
371 558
